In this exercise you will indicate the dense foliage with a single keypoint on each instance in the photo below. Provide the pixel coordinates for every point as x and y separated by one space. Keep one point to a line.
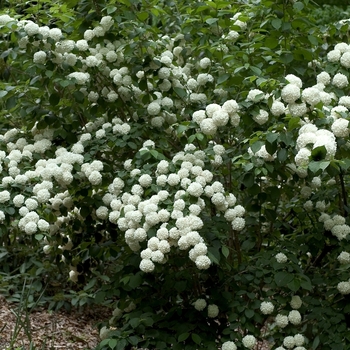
186 165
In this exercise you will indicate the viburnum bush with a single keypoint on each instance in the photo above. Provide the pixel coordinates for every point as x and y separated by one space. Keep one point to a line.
186 165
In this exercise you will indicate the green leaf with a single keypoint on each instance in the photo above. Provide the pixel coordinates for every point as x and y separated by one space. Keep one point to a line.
134 322
182 337
111 9
271 42
196 338
313 40
282 278
142 16
225 251
319 153
286 58
316 342
211 21
121 344
298 6
276 23
248 180
79 96
294 285
3 93
39 237
256 146
181 92
249 313
10 210
306 283
11 102
54 99
223 78
112 343
316 166
282 155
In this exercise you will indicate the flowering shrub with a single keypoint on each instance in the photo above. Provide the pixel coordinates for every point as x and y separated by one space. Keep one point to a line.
194 179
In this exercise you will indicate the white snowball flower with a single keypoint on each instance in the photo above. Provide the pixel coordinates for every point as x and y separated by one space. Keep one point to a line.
229 345
31 227
202 262
345 60
281 320
277 108
195 189
294 317
344 258
249 341
289 342
281 258
333 56
153 108
340 81
204 63
4 196
208 126
200 304
262 117
255 95
213 310
299 339
293 79
296 302
340 128
323 78
146 265
266 307
290 93
39 57
145 180
238 224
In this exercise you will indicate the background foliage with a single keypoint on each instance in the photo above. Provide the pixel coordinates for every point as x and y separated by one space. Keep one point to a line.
85 257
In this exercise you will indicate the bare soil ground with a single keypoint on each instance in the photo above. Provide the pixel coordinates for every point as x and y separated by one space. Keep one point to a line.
53 330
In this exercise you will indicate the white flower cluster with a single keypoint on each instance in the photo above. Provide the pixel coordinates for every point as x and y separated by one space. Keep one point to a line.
262 154
215 116
281 258
178 226
336 224
311 136
229 345
344 287
249 341
266 307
